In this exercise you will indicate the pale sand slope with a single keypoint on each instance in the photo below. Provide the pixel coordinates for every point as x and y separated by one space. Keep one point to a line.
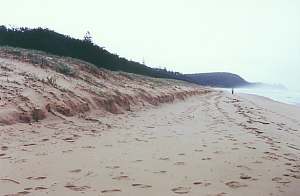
36 86
212 144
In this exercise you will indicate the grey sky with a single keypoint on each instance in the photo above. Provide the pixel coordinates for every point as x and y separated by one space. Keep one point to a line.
258 39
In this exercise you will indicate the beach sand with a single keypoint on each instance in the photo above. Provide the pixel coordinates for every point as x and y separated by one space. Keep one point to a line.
211 144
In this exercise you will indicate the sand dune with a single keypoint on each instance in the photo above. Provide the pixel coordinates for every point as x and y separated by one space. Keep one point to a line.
37 86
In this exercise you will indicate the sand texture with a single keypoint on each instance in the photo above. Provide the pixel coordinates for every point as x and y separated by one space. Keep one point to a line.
213 144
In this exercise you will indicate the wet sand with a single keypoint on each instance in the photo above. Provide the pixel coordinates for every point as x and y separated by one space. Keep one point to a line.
213 144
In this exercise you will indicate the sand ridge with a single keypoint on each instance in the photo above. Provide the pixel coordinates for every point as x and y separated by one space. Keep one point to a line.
36 86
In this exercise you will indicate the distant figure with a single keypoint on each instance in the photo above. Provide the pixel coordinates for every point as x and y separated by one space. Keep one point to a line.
232 91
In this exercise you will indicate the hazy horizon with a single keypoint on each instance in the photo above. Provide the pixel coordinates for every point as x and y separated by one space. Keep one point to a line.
259 40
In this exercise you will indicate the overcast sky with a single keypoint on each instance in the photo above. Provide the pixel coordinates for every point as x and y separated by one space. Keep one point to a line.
258 39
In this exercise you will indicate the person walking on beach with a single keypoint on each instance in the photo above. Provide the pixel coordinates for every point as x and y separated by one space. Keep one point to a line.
232 91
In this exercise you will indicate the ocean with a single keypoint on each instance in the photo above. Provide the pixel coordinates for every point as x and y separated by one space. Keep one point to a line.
286 96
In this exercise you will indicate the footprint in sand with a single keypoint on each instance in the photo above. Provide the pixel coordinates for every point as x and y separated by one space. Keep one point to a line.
29 144
235 184
41 154
77 188
202 183
280 180
90 173
19 193
140 140
69 139
122 141
113 167
296 176
179 163
36 178
244 167
293 170
75 171
218 194
206 184
21 161
67 151
164 158
257 162
111 190
197 183
39 188
181 190
275 149
141 185
137 161
160 172
245 177
121 178
4 148
198 150
218 152
88 147
10 180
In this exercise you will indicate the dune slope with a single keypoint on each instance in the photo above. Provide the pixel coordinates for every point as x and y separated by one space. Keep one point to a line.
36 85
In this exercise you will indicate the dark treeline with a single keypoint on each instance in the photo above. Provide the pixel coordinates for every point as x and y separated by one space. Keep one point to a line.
52 42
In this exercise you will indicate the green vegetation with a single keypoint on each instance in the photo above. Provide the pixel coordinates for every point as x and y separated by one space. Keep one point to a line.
52 42
65 69
52 81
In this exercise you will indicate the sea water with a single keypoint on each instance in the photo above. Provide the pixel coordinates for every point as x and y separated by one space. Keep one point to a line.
281 95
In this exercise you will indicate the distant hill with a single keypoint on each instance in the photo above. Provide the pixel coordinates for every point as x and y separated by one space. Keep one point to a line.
58 44
219 79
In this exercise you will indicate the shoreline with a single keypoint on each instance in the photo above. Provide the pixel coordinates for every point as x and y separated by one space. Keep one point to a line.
265 96
269 99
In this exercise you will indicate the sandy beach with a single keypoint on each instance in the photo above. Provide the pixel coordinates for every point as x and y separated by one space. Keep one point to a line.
150 98
211 144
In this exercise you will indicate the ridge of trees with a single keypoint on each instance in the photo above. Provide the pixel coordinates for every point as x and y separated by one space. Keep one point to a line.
63 45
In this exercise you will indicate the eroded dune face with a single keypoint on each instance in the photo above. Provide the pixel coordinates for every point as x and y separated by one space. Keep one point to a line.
35 86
